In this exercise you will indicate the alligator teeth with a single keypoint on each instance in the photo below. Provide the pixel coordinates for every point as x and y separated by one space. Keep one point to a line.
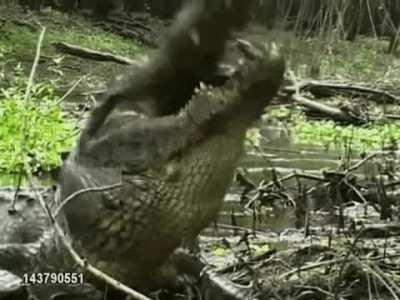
195 37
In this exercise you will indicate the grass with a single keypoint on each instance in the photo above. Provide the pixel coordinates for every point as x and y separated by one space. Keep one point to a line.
17 46
79 31
364 60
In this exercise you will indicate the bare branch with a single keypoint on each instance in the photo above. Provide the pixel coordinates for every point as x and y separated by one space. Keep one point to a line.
82 192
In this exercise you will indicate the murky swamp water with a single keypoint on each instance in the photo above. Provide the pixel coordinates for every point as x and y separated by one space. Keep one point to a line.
283 156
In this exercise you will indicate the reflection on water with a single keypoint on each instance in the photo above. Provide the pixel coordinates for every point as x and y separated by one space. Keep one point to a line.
276 219
281 153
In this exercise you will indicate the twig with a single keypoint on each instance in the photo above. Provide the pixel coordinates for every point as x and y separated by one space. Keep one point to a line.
290 176
355 190
346 172
318 289
245 229
384 275
378 275
330 262
71 89
34 66
82 192
268 255
360 163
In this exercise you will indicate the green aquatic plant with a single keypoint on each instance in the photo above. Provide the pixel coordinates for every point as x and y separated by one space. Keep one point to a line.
34 129
329 134
332 135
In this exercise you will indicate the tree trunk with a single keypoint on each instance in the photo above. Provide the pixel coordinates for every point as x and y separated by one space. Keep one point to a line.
32 4
68 5
394 10
265 11
103 7
165 9
87 4
135 5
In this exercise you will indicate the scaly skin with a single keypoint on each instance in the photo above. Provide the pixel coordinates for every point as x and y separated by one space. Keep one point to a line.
132 231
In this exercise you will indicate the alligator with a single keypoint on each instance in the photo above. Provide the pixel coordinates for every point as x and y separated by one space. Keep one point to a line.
169 137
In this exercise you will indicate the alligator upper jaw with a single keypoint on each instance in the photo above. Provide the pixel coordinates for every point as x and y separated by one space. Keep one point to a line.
249 83
228 67
238 50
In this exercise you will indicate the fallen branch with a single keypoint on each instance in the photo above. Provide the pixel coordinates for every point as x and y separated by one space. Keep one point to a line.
372 231
333 112
225 286
129 22
21 23
92 54
319 87
129 33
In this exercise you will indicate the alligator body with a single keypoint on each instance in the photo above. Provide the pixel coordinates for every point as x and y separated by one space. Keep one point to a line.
170 141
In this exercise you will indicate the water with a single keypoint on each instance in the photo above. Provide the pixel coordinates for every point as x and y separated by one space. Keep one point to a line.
284 157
